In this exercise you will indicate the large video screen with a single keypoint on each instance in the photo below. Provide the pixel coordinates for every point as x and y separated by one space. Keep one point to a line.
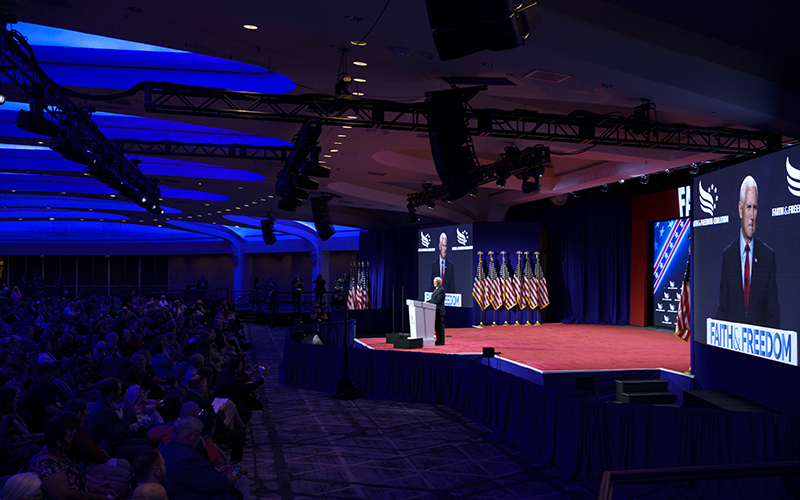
446 252
670 255
746 270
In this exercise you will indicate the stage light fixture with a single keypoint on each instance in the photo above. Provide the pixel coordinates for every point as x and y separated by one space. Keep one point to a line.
694 169
644 179
34 122
501 182
70 146
342 84
412 217
604 188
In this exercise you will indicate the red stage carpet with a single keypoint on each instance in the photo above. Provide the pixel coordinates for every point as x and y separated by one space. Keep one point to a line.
555 346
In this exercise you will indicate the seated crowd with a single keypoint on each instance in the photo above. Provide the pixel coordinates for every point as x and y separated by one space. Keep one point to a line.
103 399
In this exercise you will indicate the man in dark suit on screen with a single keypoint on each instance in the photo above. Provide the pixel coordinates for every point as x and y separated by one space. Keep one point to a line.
443 267
438 299
748 292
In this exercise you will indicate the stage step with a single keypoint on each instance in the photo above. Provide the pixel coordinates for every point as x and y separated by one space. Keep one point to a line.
644 392
722 400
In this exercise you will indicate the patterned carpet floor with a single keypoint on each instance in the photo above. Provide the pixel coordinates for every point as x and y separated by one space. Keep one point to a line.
308 445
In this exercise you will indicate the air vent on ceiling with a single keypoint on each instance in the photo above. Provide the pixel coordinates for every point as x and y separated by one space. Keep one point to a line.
380 174
546 76
478 80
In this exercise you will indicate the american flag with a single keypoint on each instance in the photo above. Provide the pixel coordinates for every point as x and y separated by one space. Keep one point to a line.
530 285
360 286
683 327
479 285
494 289
544 296
518 280
351 293
509 299
367 296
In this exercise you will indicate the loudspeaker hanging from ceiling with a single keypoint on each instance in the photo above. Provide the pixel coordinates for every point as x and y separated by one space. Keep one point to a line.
322 217
464 27
268 231
451 143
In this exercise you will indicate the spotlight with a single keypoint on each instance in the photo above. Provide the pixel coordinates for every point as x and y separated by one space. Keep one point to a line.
474 193
604 188
501 182
71 147
644 179
427 185
35 123
694 169
342 83
412 217
431 205
531 186
2 99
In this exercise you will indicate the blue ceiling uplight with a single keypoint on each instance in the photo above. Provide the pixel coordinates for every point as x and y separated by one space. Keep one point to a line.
76 59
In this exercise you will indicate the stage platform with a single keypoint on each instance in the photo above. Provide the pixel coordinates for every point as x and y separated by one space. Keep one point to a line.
560 347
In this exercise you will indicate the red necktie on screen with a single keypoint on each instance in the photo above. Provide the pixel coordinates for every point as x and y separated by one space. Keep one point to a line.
442 275
746 275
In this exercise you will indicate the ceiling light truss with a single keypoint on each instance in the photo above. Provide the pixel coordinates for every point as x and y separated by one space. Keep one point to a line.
584 128
172 148
18 64
513 162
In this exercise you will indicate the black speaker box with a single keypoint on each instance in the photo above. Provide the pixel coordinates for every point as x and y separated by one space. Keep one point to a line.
268 231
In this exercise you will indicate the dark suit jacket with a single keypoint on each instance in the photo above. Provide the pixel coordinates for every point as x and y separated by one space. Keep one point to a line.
105 427
191 477
438 299
449 280
764 309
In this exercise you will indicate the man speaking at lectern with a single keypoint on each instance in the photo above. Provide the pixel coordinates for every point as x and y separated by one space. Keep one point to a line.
438 299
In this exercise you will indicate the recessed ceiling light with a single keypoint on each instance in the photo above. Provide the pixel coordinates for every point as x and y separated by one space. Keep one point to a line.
357 43
113 196
250 26
352 117
322 161
51 218
342 135
359 63
335 142
334 150
247 205
327 156
160 225
357 93
270 196
346 126
240 187
208 204
360 80
40 142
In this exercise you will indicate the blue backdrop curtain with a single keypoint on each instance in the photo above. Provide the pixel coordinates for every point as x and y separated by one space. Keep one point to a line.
587 250
392 255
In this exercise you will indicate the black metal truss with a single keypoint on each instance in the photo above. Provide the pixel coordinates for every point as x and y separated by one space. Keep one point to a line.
172 148
514 162
585 128
20 67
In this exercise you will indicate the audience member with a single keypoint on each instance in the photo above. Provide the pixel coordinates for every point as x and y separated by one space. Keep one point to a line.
26 486
151 472
190 476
